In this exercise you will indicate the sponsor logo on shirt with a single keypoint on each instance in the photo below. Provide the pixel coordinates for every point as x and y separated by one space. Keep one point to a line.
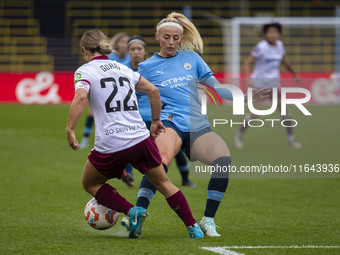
128 129
178 81
77 77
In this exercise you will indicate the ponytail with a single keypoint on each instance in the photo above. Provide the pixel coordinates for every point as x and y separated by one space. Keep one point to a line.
96 41
191 37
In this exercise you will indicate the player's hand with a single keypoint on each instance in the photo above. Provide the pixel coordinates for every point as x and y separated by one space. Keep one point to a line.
156 128
260 94
72 141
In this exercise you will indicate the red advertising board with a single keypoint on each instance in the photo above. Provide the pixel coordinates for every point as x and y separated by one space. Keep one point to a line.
57 88
37 88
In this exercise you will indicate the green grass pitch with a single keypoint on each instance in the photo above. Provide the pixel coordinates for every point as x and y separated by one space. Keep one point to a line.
42 200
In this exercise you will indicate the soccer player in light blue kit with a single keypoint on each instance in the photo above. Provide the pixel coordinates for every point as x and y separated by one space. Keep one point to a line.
175 71
137 51
120 51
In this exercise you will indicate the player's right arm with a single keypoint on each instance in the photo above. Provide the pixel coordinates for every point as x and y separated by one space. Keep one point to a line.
290 68
146 87
76 110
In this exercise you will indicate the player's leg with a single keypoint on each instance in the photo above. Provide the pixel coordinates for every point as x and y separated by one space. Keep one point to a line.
211 149
87 131
127 176
289 127
183 167
175 199
128 169
95 183
147 160
168 144
238 138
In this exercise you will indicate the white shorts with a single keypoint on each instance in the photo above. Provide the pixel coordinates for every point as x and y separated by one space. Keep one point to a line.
260 83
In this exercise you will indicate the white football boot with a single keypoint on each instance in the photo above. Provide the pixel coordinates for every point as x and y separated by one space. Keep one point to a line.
208 226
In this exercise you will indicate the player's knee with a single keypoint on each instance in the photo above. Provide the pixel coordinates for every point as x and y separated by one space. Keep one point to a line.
88 187
222 167
166 159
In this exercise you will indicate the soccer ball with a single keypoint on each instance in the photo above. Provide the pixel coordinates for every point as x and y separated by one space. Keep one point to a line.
99 216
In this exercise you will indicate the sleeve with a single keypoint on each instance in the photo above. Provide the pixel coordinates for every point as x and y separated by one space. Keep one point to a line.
82 79
256 52
136 77
141 72
222 92
203 69
133 76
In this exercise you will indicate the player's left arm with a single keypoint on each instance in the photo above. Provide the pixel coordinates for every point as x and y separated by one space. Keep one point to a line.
209 79
76 110
258 94
289 67
206 77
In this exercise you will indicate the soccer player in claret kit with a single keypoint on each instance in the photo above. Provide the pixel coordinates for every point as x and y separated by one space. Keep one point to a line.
121 55
173 71
121 136
267 56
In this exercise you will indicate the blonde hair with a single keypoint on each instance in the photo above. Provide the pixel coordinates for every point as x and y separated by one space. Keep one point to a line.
116 38
95 41
191 37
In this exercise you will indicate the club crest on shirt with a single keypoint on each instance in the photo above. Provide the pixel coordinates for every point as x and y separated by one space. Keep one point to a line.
187 65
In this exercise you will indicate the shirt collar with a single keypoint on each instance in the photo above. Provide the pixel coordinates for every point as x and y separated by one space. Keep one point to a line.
100 57
158 56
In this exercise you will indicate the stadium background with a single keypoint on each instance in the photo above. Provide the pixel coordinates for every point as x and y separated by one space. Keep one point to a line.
42 198
39 36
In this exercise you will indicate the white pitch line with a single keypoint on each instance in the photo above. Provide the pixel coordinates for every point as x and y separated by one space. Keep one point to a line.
282 247
224 249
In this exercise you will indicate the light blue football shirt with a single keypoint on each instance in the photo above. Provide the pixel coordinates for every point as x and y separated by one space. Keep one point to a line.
176 78
114 56
128 64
